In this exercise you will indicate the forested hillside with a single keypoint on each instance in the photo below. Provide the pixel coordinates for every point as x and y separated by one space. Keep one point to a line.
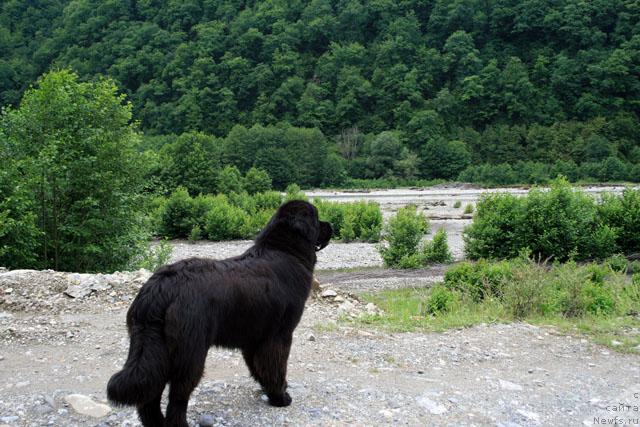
406 89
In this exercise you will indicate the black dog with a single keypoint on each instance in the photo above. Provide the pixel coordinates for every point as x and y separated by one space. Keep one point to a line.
252 302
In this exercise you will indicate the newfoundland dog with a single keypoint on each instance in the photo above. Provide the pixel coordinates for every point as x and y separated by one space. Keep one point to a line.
252 302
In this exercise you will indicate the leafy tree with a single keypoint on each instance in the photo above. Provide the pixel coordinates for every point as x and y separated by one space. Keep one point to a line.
75 147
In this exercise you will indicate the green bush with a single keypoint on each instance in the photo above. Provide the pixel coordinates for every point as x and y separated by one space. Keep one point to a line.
177 215
257 181
440 300
153 257
561 223
403 234
622 214
468 209
229 180
360 220
225 221
478 280
495 228
195 234
457 204
437 250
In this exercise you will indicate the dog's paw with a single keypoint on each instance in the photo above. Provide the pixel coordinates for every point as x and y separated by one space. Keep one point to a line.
280 399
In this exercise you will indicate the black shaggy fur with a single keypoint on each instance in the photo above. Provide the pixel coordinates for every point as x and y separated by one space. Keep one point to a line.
252 302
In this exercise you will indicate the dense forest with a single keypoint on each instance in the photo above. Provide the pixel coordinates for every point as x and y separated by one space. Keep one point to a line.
316 92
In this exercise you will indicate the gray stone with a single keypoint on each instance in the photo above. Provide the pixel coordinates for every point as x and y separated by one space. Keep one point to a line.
508 385
206 420
329 293
433 407
86 406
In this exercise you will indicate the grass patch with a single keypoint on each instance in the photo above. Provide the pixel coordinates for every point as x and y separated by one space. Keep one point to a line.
595 300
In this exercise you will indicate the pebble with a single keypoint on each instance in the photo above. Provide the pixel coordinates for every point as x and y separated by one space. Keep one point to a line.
433 407
206 420
311 337
508 385
86 406
328 293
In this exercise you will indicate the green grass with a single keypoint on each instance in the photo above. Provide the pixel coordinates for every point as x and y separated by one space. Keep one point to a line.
561 296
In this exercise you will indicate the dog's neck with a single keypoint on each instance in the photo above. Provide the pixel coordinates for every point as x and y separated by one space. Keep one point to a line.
302 250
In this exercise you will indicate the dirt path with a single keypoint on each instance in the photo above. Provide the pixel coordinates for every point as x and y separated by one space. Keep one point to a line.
493 375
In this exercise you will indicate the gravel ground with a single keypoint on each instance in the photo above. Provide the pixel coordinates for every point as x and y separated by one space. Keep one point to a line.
339 374
63 335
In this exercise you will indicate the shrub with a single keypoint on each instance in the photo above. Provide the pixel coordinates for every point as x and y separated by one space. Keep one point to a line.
154 257
494 231
622 214
225 221
230 180
597 299
468 209
440 300
177 215
352 221
478 280
257 181
403 234
195 234
362 221
269 200
293 192
457 204
560 223
437 250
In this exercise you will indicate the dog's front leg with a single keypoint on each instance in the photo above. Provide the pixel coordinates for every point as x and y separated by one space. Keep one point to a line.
270 367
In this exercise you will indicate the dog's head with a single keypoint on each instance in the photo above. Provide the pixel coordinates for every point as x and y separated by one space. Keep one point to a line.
296 224
302 217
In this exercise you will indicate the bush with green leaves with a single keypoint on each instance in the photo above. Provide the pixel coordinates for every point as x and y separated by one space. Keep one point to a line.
560 223
70 196
225 221
440 300
437 250
257 181
361 221
230 180
525 288
402 237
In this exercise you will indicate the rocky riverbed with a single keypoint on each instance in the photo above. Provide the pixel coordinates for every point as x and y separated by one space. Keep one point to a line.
57 351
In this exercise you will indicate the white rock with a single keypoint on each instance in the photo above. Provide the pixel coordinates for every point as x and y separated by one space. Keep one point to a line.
328 293
432 406
86 406
508 385
528 414
371 307
616 343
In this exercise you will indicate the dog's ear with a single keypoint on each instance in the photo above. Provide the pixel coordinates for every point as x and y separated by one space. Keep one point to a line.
300 216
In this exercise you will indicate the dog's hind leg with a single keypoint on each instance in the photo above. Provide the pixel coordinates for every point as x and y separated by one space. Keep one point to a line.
150 413
270 365
186 370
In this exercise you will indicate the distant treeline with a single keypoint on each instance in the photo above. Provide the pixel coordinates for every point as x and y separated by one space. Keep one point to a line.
320 92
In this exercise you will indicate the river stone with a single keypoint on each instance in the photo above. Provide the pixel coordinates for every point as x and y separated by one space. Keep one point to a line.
86 406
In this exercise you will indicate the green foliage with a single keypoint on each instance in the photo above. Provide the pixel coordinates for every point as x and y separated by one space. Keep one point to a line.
230 180
361 221
224 221
478 280
402 236
437 250
195 234
441 300
154 257
561 224
257 181
73 202
527 289
457 204
468 209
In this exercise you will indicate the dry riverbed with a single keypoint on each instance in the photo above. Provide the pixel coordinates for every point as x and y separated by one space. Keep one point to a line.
56 350
63 335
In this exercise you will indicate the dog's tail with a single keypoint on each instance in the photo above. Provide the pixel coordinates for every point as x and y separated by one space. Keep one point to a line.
146 370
